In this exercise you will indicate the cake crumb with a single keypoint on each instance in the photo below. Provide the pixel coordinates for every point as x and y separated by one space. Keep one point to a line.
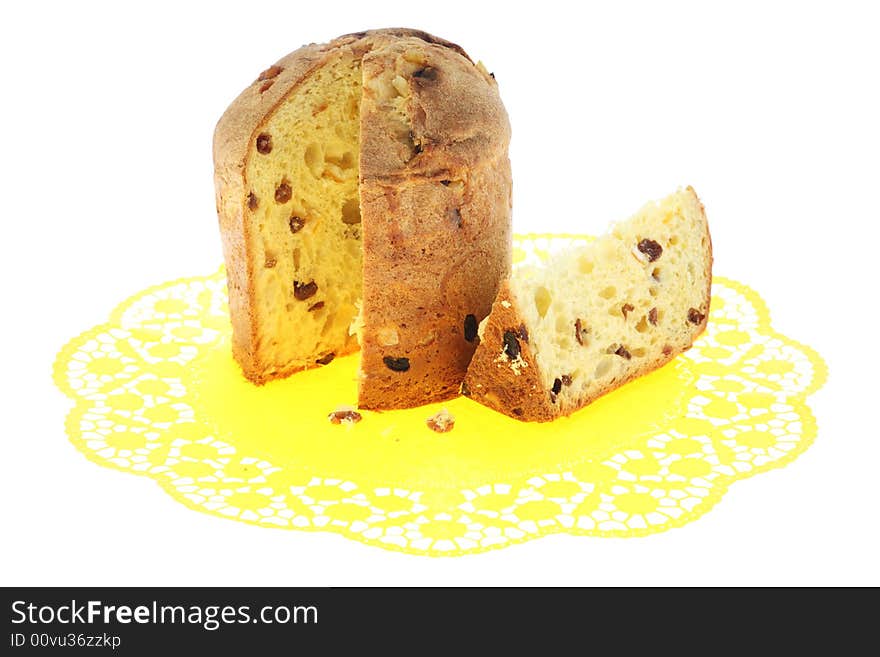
344 415
481 327
441 422
516 364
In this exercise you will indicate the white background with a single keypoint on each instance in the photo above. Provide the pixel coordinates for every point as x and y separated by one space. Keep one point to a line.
769 110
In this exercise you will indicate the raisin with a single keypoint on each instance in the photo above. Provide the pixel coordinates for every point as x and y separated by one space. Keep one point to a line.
427 73
652 316
511 345
651 249
325 360
627 308
454 215
470 328
270 73
667 350
465 389
623 352
303 291
296 223
396 364
445 183
283 192
265 86
264 143
522 333
581 331
557 386
316 306
271 261
566 379
695 316
517 411
252 201
492 75
346 415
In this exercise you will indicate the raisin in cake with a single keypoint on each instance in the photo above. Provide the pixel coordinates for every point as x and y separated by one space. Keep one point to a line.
363 190
596 316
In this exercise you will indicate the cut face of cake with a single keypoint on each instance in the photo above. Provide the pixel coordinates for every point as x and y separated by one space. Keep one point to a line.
305 224
597 316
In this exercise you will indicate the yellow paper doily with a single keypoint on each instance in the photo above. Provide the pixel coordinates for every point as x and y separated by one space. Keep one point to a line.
157 394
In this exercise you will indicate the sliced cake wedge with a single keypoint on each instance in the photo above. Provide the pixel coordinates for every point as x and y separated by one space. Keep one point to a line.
597 316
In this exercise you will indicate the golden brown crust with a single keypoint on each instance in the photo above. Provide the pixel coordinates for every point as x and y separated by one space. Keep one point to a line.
709 262
390 32
461 129
435 201
454 114
519 391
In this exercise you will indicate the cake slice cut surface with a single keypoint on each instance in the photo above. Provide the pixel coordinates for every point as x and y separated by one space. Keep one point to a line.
305 223
597 316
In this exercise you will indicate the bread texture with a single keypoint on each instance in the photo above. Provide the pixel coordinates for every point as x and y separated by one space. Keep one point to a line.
364 197
597 316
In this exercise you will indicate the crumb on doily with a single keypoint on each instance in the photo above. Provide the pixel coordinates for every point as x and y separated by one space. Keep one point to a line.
344 415
441 422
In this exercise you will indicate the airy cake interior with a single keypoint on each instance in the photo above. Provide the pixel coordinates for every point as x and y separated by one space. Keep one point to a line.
302 182
596 313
